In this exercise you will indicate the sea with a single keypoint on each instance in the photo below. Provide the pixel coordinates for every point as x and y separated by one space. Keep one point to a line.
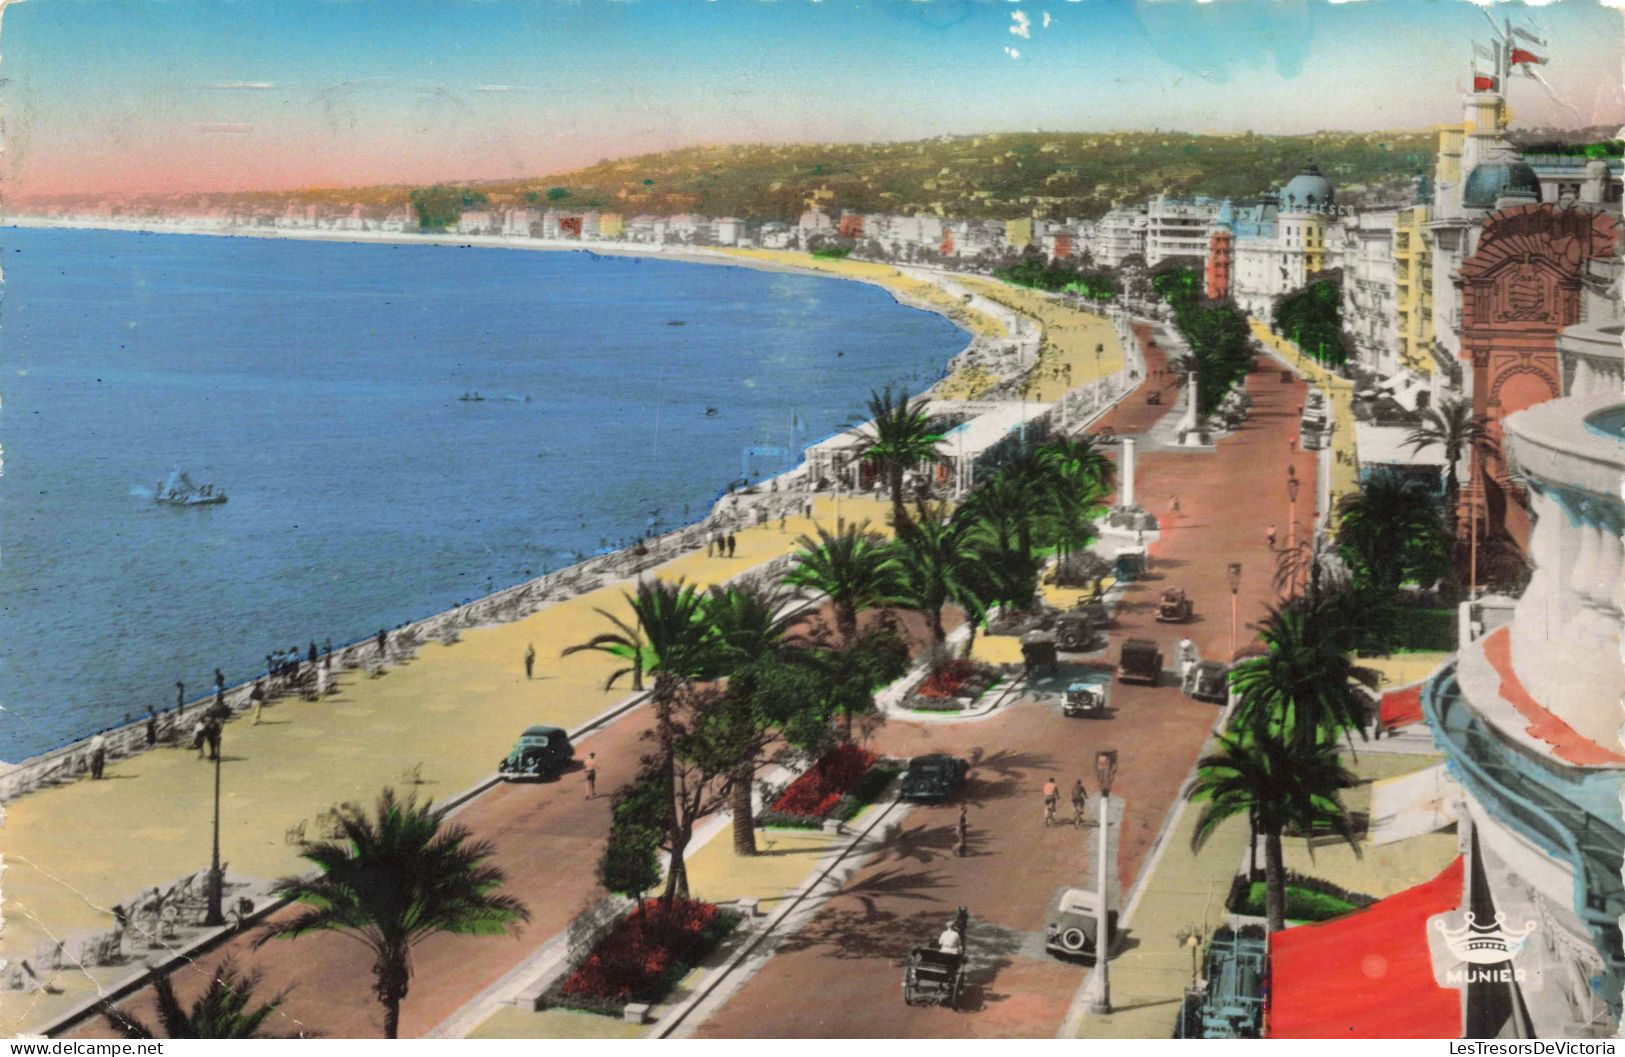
320 387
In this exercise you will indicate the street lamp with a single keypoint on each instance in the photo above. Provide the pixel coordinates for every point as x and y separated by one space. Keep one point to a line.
215 916
1105 773
1190 937
1234 573
1292 485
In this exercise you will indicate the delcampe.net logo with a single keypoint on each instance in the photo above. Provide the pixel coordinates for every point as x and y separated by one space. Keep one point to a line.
1482 952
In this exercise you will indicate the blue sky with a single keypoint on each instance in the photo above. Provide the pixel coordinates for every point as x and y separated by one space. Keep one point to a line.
154 94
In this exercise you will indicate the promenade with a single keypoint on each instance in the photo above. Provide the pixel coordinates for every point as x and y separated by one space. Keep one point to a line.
436 725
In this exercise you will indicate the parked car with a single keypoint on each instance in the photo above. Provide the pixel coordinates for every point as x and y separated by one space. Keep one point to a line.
932 778
1084 699
540 752
1038 651
1211 682
1074 631
1074 924
1175 607
1140 662
1129 564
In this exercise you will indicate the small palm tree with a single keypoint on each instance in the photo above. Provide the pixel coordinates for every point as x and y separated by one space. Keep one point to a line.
898 436
1306 686
1452 426
935 562
625 642
1391 529
397 878
855 567
1080 476
225 1009
1278 787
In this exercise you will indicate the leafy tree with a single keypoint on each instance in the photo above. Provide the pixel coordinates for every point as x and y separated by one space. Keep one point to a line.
1080 476
898 436
1312 317
225 1009
1306 685
557 194
1451 426
1390 531
397 878
936 560
630 861
1277 786
440 206
856 568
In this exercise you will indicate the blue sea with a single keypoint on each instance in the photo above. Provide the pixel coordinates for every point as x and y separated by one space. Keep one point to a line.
318 385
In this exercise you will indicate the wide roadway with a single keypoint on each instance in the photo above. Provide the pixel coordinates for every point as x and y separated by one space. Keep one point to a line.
841 974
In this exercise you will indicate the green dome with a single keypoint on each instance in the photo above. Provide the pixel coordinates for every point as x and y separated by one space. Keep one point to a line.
1498 178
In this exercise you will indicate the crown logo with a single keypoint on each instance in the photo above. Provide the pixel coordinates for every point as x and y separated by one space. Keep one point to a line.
1485 944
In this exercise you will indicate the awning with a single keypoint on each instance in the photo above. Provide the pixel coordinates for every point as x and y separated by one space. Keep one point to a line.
1368 975
1411 804
1401 708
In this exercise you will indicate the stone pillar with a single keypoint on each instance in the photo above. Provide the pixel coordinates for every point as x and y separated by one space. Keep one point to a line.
1125 476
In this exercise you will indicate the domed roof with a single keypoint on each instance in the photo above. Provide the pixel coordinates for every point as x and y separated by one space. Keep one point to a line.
1227 215
1504 175
1307 192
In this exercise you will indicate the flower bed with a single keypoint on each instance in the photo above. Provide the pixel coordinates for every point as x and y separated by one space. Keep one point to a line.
953 686
838 786
643 957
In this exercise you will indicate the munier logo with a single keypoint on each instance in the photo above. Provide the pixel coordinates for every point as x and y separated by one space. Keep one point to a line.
1481 953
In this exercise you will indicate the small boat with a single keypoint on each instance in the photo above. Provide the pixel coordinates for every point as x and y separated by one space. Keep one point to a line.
711 412
471 397
675 323
179 490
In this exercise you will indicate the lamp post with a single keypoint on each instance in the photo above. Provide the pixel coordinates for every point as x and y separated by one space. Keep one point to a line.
1292 485
1234 574
1105 773
1190 937
215 915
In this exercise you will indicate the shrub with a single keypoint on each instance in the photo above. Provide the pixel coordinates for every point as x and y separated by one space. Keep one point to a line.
1307 898
870 786
816 792
950 679
644 956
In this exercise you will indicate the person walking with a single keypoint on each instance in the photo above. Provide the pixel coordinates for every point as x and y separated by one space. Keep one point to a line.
782 518
256 698
730 544
98 755
1269 535
383 642
219 681
152 727
530 660
327 653
180 694
199 736
1052 796
1175 504
311 653
592 775
1080 801
212 732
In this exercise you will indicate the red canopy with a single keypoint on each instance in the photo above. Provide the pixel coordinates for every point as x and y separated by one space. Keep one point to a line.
1401 708
1368 975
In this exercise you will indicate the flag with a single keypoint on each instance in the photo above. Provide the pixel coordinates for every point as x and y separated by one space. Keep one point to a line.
1481 83
1520 57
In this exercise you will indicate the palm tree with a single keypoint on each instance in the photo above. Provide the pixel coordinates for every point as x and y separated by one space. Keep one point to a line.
1277 786
753 621
1306 685
1391 528
681 645
898 436
224 1010
1450 425
1080 476
396 879
935 562
854 567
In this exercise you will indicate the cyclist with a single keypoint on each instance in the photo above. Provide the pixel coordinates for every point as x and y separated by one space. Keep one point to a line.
1052 797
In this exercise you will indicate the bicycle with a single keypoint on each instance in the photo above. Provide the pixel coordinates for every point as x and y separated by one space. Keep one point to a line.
1049 811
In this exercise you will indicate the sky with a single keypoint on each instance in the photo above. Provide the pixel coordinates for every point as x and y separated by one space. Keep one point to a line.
196 95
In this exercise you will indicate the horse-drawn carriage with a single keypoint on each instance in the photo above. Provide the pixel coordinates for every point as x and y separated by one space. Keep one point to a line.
935 975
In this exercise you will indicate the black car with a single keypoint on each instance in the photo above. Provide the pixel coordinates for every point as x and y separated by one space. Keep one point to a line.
541 752
1211 682
932 778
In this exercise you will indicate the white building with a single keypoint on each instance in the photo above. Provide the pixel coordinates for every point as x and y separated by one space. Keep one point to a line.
730 231
1120 234
1369 313
1178 227
1283 240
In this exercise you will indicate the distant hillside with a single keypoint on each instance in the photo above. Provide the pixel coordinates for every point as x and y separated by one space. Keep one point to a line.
1009 174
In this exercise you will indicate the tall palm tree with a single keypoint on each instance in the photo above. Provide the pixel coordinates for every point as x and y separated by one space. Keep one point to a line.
1306 685
395 879
899 435
1278 787
1452 426
1391 528
1080 476
224 1010
680 645
1006 507
753 621
936 559
855 567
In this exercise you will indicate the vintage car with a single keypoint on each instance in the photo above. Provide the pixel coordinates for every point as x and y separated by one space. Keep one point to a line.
1074 924
932 778
1095 611
1210 682
1175 607
1084 699
1129 564
1038 651
1075 630
1140 662
541 752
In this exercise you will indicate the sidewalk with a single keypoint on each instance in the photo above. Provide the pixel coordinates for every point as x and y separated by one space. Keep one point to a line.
1345 474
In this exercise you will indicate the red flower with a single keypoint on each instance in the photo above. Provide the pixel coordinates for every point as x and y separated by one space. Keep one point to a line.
640 950
817 792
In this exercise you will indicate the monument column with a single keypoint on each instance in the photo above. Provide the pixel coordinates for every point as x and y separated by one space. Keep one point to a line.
1125 486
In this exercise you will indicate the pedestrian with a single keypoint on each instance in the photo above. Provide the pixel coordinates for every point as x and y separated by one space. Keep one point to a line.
256 697
383 642
212 732
1052 796
592 775
1269 535
311 654
220 699
530 660
782 519
710 548
1175 503
199 736
180 694
98 755
730 544
152 727
219 680
327 653
961 833
321 683
1080 801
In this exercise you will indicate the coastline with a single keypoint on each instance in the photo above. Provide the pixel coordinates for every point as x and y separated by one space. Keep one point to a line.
917 290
